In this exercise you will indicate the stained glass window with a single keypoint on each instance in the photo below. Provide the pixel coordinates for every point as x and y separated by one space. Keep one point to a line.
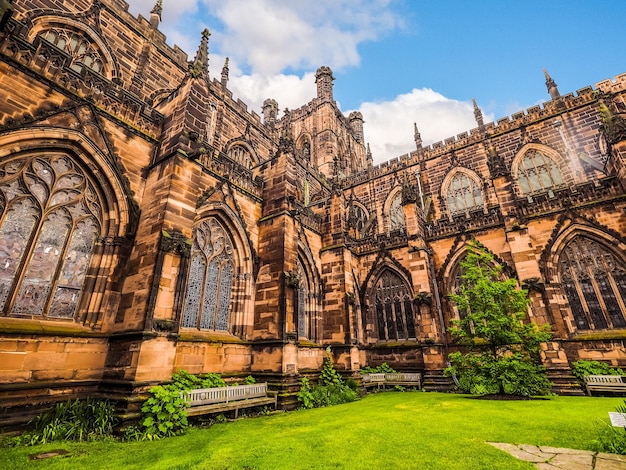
208 297
83 53
357 219
463 194
303 316
594 283
396 213
394 308
50 218
538 172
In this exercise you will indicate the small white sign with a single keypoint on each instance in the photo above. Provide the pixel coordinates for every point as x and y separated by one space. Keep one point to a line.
618 419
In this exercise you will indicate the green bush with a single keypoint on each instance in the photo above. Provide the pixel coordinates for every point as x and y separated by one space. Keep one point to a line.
583 367
330 390
384 368
183 380
480 374
75 420
165 413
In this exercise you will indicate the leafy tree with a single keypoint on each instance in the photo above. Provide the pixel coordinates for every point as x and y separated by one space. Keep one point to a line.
502 350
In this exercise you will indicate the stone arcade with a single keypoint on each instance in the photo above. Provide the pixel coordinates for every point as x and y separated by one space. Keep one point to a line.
150 222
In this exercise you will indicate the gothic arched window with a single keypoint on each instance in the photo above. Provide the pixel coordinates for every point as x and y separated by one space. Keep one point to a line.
595 284
396 213
81 50
241 155
207 303
50 217
463 194
538 172
357 219
394 308
302 304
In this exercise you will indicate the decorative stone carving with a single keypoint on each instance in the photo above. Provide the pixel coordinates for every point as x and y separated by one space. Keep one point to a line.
176 242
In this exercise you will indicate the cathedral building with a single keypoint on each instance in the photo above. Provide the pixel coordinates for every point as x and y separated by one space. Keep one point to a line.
150 222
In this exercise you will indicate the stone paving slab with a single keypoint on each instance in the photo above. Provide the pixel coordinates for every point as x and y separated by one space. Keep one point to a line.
553 458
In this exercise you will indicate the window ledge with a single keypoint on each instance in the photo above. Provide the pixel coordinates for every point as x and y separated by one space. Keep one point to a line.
45 327
209 336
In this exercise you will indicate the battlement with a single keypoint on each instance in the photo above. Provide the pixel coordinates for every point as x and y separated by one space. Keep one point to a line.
237 104
142 26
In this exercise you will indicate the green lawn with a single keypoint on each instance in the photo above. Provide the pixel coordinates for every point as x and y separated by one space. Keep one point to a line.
383 431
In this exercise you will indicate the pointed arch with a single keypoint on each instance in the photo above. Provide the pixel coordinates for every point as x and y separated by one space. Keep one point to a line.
538 168
219 291
462 191
589 266
304 146
390 307
309 298
63 214
241 152
83 43
450 274
394 213
387 301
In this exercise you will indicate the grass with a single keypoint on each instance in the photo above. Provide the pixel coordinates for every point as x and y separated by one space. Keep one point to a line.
386 430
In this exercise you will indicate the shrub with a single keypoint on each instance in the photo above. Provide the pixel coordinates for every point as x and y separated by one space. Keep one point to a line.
165 413
502 350
75 420
511 375
384 368
583 367
330 390
183 380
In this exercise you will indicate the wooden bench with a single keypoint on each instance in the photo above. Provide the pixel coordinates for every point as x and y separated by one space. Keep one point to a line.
605 383
204 401
404 379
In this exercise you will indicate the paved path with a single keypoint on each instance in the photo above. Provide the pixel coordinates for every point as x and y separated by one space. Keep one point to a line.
552 458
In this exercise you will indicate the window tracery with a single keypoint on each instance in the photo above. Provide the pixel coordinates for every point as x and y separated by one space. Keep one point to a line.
396 213
394 308
50 218
595 284
241 155
538 172
211 274
463 194
80 49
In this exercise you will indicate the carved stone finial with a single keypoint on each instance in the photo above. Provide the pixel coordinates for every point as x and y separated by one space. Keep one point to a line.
613 126
409 193
551 85
324 80
155 14
478 115
417 137
368 154
225 73
200 65
496 164
270 111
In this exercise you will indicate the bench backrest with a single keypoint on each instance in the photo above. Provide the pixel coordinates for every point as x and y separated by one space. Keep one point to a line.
374 378
403 377
208 396
604 379
395 377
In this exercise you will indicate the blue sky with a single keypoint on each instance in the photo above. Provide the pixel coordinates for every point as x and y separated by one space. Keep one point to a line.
403 61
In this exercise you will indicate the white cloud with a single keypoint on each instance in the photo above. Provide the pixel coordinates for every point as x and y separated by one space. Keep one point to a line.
289 90
264 38
389 124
